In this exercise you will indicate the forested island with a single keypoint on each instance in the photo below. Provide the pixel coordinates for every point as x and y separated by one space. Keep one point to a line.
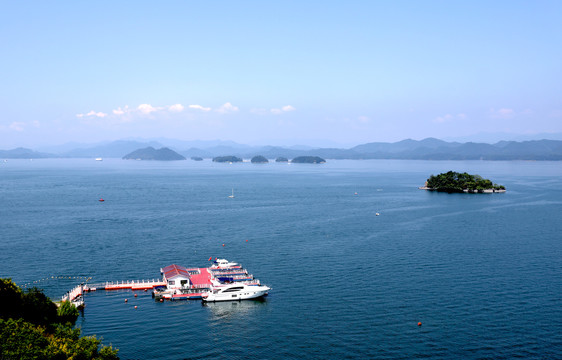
259 160
454 182
308 160
229 159
281 159
150 153
33 327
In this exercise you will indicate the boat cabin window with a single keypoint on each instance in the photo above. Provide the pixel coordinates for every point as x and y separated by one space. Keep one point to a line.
237 288
183 282
171 282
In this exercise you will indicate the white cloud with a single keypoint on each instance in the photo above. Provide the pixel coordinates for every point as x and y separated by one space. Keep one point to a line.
199 107
17 126
147 108
449 117
227 108
286 108
176 108
502 113
120 111
363 119
92 113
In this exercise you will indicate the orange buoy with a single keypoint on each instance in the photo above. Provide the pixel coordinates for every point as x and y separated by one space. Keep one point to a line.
161 300
144 290
222 244
135 306
135 295
419 323
126 300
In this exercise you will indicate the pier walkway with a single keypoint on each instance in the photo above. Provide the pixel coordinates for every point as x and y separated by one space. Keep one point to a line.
129 284
73 294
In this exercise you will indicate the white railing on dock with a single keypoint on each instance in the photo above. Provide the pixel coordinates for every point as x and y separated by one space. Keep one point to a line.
73 294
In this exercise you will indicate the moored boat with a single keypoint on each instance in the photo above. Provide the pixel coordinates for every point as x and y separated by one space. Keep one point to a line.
236 292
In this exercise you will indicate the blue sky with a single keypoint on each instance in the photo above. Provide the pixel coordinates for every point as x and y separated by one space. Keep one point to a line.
290 72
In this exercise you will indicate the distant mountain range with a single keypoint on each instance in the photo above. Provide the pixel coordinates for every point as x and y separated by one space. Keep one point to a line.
426 149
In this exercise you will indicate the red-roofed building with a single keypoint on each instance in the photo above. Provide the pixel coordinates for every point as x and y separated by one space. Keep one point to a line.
175 276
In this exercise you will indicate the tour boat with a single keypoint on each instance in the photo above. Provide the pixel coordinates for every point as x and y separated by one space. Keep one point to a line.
236 292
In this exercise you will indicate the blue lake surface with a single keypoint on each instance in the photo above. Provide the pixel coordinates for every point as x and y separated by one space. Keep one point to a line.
482 272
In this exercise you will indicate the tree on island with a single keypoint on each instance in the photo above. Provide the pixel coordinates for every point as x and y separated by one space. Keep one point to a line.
259 160
32 327
227 159
461 182
308 160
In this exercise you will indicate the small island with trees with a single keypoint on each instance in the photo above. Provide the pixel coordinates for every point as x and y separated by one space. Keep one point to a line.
454 182
259 160
308 160
281 159
228 159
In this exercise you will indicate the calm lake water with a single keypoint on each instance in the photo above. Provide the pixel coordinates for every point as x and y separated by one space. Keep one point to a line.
482 272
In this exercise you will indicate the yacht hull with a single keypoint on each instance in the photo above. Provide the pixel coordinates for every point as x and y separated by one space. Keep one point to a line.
245 293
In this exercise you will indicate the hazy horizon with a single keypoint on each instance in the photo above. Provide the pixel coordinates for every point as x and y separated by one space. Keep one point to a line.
314 73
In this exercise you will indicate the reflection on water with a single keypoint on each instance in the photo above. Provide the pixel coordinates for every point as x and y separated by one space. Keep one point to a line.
227 310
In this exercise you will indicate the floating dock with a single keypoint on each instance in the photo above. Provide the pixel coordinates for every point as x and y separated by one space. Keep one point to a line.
177 283
129 284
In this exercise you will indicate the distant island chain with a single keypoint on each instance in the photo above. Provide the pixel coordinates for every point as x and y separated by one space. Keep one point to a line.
166 154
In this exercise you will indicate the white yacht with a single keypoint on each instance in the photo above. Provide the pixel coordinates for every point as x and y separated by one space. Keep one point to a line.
236 292
224 264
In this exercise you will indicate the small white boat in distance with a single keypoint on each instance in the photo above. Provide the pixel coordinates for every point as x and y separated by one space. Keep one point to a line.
99 159
223 263
236 292
231 196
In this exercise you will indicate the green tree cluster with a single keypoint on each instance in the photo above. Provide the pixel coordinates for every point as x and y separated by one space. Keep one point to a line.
452 181
33 327
227 159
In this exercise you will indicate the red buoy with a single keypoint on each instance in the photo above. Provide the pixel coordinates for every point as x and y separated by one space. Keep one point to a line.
101 199
161 300
222 244
419 323
135 295
135 306
126 300
246 240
